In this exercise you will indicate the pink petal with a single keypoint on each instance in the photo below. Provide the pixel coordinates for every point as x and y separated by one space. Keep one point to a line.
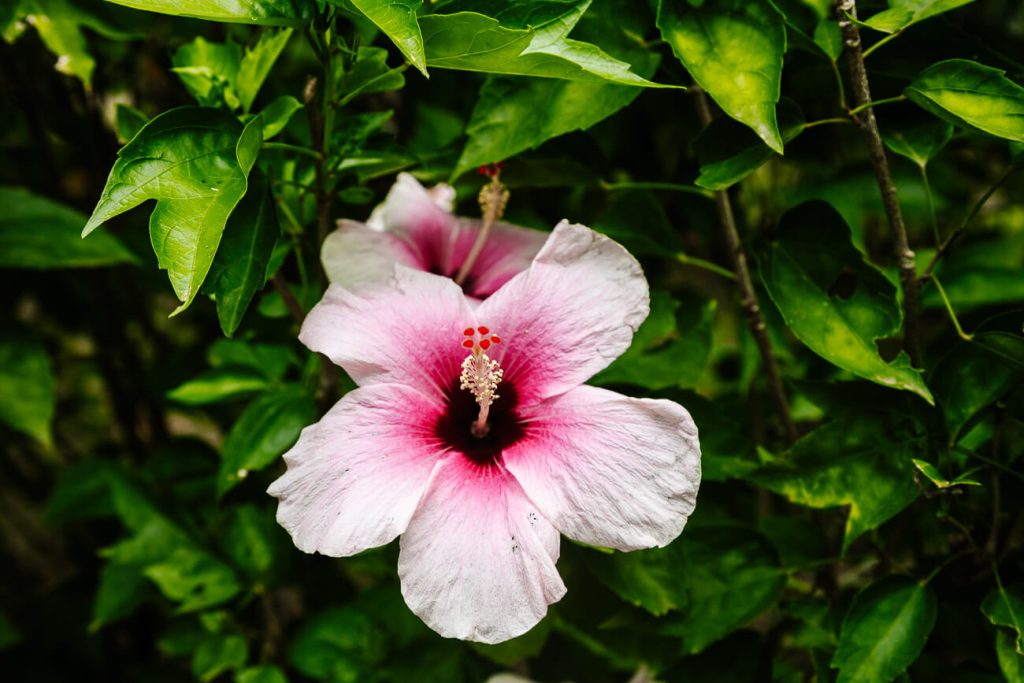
477 561
571 314
508 251
407 331
355 254
609 470
413 215
355 477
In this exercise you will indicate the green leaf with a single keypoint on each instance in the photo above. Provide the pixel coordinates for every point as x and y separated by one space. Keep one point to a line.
1005 607
270 360
664 354
935 476
9 635
256 64
919 143
513 114
340 643
240 268
473 42
266 12
397 20
885 630
249 540
128 121
267 673
832 299
975 374
122 588
829 37
209 70
195 162
268 427
277 114
728 152
58 24
734 50
369 74
864 462
27 385
1011 662
971 95
36 232
217 385
217 654
904 13
718 577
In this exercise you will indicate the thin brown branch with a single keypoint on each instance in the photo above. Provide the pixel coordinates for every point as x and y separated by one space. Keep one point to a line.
865 118
290 302
748 298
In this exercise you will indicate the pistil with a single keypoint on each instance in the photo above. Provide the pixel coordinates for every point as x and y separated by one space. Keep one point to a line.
481 375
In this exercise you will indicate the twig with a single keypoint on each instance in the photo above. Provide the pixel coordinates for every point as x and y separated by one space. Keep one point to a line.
949 309
874 103
865 117
290 302
748 298
958 230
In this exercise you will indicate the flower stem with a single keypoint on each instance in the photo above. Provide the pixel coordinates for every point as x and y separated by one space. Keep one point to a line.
864 116
748 299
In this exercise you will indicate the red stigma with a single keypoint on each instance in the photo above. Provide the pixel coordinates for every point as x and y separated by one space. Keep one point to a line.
485 344
468 343
482 330
495 339
468 332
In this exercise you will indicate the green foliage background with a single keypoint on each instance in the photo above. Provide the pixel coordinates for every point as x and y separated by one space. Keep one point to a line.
875 535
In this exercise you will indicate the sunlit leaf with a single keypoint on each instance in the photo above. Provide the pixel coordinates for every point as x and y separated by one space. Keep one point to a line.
474 42
269 12
1005 607
209 70
217 385
195 162
256 63
885 629
904 13
277 114
972 95
734 50
397 20
36 232
369 74
832 299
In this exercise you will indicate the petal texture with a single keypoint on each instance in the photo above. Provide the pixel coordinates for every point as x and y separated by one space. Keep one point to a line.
355 254
609 470
355 477
477 561
569 315
408 330
508 251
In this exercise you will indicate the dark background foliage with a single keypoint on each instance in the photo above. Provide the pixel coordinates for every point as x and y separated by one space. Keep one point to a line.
874 534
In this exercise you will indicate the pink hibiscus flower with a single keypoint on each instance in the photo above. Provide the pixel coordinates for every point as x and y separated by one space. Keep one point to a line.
472 436
416 228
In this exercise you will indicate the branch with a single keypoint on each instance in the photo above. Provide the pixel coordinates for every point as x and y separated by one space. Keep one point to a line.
865 118
748 299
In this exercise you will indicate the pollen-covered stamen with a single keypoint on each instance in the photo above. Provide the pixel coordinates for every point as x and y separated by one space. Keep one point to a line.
481 375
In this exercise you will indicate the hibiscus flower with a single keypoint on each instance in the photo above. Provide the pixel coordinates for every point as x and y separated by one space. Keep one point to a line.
416 228
472 436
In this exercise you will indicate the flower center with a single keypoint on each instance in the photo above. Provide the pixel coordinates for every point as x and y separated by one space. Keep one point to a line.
480 375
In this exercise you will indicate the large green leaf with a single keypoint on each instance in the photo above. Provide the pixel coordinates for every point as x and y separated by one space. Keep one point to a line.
256 64
397 19
972 95
728 152
268 12
473 42
513 114
884 631
734 50
240 268
27 385
864 462
195 162
832 299
718 577
267 428
1005 607
1011 662
904 13
36 232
